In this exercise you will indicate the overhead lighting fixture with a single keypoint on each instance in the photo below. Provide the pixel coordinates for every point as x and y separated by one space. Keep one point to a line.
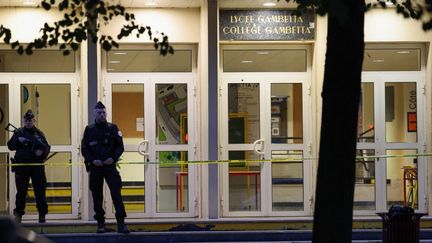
29 2
387 2
247 61
110 69
114 62
150 3
378 60
120 53
402 52
262 52
269 4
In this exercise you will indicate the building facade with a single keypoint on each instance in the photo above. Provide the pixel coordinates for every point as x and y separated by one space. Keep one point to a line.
243 86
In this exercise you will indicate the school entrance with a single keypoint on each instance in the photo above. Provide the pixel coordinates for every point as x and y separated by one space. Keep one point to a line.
152 100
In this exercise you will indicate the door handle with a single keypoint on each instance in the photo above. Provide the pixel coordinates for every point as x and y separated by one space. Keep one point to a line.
143 148
261 142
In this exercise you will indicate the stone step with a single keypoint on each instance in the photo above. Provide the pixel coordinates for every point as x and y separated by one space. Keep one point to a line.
217 236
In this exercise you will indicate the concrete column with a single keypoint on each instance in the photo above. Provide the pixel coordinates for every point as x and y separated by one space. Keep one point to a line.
213 143
92 98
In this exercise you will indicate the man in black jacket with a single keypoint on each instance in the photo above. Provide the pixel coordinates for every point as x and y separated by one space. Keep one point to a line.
102 146
31 147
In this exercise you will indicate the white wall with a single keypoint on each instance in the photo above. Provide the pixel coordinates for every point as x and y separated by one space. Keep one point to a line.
181 25
386 25
26 23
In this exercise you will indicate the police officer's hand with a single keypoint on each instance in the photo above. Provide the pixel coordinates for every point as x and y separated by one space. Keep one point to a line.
38 152
97 162
108 161
23 139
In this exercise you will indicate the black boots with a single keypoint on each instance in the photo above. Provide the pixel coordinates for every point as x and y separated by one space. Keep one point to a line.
41 218
101 227
122 228
18 217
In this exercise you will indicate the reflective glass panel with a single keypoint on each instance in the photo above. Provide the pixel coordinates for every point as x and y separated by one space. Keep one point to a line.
171 114
132 172
4 114
286 113
172 182
401 112
4 183
128 111
392 60
402 179
365 125
244 113
59 185
364 191
51 104
287 181
264 60
128 115
244 182
4 157
39 61
148 61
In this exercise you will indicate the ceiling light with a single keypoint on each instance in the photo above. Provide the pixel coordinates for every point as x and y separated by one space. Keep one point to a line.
114 62
120 53
402 52
247 61
110 69
269 4
386 2
29 2
262 52
377 60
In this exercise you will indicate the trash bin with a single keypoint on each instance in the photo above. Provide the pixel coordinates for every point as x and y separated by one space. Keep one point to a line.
401 224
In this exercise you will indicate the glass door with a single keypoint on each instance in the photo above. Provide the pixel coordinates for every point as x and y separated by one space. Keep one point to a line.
4 152
391 127
266 139
402 137
365 177
242 115
126 109
156 117
54 101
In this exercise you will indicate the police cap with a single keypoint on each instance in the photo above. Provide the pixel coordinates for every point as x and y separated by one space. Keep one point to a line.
99 105
29 115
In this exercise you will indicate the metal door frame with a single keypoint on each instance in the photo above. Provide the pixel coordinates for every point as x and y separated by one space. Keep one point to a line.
265 81
149 81
379 79
15 80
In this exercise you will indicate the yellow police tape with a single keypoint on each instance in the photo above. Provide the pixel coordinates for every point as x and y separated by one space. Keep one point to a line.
235 162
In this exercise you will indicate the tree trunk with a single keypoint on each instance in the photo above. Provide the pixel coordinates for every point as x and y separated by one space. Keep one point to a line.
341 95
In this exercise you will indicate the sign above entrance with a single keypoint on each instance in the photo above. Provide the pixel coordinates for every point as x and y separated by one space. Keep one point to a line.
278 25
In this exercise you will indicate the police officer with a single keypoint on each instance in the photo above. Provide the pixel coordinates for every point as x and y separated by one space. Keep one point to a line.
102 146
31 147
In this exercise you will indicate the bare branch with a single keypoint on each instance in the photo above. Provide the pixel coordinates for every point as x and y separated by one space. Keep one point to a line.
74 27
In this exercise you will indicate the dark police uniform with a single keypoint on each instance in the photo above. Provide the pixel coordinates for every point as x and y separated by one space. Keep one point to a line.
25 153
102 141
